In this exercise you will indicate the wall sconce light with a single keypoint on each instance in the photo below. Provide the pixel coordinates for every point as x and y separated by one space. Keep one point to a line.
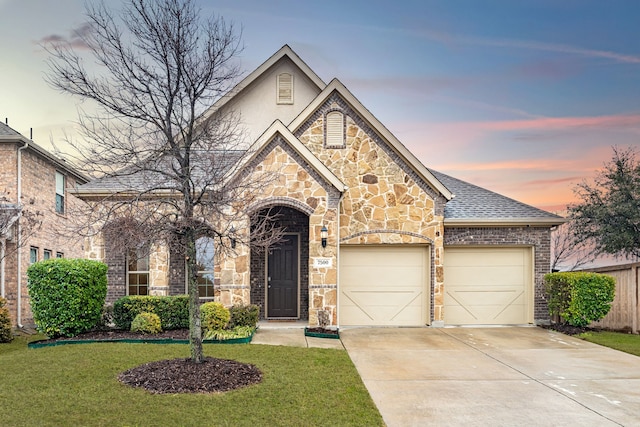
232 231
324 233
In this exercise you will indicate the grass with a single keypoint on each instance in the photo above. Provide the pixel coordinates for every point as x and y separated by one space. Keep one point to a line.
628 343
77 385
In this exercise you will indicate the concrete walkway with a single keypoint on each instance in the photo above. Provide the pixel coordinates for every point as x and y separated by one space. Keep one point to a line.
505 376
291 334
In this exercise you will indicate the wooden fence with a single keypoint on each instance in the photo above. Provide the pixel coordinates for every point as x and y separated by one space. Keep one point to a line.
625 312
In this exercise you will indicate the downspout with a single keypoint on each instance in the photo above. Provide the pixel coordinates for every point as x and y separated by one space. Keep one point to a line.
3 245
344 191
19 237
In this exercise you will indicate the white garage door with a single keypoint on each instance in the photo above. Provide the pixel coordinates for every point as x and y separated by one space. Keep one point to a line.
384 285
488 286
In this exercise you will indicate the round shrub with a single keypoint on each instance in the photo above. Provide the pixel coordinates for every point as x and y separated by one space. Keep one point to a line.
146 323
214 316
244 315
5 322
67 295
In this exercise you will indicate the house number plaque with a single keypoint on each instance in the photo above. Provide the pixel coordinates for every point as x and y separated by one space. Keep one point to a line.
322 262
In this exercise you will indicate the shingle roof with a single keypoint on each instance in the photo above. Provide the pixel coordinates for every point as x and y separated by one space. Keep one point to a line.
476 204
6 130
149 180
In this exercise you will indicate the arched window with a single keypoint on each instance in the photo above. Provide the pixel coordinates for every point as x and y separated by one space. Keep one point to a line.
285 88
334 132
204 264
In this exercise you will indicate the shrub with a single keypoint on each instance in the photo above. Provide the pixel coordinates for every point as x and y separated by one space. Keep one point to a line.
67 295
172 310
244 315
147 323
5 322
579 298
214 316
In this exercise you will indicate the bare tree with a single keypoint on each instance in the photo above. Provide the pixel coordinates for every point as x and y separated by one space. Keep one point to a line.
567 252
10 215
170 164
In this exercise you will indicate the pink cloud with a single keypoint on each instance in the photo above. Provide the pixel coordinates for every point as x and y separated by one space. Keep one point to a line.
613 121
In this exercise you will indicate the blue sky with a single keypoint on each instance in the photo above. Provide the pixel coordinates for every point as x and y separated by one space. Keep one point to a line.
525 98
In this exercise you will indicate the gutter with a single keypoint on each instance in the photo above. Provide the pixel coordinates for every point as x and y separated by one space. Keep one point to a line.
19 237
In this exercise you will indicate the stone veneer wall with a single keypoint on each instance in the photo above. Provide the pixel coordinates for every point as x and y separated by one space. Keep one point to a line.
301 187
537 237
386 202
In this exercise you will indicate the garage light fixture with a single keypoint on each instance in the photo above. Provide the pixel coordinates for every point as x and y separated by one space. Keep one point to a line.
324 233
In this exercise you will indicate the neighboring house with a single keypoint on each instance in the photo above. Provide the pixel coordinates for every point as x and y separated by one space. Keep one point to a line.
405 245
33 183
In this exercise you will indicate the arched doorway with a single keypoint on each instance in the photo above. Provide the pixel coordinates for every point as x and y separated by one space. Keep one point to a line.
280 274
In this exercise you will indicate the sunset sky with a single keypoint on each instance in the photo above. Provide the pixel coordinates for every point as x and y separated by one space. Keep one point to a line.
525 98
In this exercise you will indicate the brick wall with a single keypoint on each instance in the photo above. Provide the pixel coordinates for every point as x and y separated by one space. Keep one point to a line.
56 234
537 237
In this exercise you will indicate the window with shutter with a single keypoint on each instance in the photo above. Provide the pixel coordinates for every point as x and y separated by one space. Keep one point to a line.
335 129
285 88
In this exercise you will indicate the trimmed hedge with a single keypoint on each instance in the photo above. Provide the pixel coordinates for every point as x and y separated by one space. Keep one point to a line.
173 311
147 323
67 295
579 298
214 316
5 322
244 315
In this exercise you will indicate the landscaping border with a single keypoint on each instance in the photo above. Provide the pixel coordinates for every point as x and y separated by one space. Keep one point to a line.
49 343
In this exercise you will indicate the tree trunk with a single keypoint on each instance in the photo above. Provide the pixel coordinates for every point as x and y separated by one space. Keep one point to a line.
195 325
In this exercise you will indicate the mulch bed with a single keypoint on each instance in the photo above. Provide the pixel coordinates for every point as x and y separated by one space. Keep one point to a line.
179 375
183 376
567 329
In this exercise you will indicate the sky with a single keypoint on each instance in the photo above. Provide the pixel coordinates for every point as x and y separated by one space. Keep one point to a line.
523 97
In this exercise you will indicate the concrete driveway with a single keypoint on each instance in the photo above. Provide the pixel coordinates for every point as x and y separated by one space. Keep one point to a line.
520 376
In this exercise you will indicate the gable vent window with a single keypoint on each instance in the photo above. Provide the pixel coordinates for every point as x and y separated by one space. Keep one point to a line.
334 129
285 88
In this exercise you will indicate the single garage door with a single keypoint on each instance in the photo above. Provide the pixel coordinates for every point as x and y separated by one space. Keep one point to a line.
384 285
488 286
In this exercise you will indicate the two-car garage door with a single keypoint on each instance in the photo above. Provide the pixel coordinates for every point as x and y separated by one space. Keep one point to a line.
485 286
384 285
390 285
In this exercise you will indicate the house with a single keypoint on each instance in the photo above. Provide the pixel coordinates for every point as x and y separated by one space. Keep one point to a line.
373 237
34 204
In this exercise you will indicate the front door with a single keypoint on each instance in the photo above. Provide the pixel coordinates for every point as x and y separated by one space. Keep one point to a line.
282 279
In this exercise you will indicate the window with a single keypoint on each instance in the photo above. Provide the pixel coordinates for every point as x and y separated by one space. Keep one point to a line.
59 255
285 88
334 129
59 193
46 254
33 254
204 264
138 272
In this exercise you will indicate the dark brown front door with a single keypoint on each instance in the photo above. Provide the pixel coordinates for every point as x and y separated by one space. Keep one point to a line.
282 278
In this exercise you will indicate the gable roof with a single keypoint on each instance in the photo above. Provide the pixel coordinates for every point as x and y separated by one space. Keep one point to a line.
336 86
9 135
477 206
284 51
279 128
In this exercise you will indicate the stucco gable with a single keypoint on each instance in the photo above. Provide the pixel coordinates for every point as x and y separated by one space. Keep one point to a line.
255 103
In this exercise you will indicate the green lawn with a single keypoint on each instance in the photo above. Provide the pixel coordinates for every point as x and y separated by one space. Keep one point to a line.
628 343
77 385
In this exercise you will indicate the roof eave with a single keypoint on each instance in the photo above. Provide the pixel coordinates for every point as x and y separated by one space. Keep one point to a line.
504 222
